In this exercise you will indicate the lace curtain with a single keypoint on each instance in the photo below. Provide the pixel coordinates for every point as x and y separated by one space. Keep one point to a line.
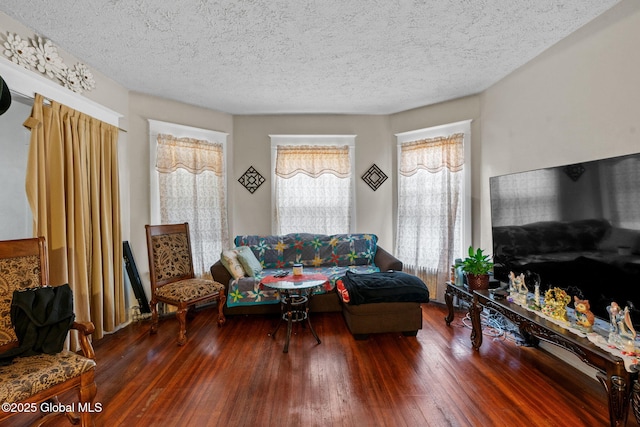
621 197
430 194
526 197
191 184
313 189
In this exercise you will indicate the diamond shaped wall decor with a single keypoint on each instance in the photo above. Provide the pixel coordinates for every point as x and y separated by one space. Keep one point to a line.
574 171
374 177
251 179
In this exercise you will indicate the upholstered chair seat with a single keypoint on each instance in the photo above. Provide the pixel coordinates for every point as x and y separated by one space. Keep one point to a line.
28 375
187 290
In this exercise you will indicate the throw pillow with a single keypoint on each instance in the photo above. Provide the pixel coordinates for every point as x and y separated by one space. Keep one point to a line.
231 262
249 261
621 238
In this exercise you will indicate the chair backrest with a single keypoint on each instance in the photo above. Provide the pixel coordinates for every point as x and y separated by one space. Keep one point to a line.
169 248
23 265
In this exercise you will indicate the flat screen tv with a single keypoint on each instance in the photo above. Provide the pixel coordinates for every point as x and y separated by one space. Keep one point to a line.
576 227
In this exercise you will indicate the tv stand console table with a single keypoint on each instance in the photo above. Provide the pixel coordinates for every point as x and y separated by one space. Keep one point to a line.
612 374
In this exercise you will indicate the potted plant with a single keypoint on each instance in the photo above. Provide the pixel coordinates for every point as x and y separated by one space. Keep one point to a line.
476 267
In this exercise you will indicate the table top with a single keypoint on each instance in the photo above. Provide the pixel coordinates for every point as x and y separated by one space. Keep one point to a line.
555 333
303 281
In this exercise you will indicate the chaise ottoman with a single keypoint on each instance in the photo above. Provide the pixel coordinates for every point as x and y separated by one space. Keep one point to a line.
382 302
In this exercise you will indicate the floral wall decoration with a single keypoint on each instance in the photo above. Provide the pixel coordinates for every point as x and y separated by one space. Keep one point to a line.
38 54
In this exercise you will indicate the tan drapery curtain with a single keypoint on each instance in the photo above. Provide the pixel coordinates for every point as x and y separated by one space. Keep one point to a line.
191 185
433 155
73 189
312 161
430 208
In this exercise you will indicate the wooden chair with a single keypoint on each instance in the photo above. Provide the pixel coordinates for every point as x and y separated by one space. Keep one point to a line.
172 278
29 381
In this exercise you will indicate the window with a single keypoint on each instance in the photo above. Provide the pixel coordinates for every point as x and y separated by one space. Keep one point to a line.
621 195
188 185
313 183
526 197
433 215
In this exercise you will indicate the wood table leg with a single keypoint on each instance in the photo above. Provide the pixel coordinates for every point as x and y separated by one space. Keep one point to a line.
448 299
618 385
289 326
476 324
311 327
635 400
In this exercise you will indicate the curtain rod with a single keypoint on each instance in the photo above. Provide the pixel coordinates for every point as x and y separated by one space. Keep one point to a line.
28 100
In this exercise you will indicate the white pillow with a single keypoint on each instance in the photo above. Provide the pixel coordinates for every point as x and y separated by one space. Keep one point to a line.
231 262
250 263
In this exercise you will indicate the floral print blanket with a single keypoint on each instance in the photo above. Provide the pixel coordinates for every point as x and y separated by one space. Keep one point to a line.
331 255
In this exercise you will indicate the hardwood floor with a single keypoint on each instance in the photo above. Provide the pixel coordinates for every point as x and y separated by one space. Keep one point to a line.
238 376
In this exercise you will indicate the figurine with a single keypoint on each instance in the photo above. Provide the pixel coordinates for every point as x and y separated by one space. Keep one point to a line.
621 331
584 316
517 289
555 304
535 279
625 326
536 297
614 312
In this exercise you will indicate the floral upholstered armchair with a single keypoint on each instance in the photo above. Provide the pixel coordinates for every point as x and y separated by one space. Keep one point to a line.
27 381
172 277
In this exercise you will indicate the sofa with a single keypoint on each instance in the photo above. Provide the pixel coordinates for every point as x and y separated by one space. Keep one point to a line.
589 258
331 255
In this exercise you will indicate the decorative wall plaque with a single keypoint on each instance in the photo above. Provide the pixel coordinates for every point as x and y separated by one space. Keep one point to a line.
251 179
374 177
574 171
41 55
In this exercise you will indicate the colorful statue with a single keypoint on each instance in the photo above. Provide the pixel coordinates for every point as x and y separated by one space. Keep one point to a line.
625 326
621 331
584 317
555 304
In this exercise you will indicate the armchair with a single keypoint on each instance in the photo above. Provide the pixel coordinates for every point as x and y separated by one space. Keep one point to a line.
31 380
172 278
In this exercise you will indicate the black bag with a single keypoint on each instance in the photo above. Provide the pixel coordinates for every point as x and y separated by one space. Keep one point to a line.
41 318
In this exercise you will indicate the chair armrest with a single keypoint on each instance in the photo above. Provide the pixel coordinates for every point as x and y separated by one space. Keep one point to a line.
85 329
220 274
385 261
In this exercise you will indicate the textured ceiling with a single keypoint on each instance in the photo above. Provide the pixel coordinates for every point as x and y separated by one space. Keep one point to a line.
295 56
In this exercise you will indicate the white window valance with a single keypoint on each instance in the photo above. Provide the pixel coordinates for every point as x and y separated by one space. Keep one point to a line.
312 161
432 154
190 154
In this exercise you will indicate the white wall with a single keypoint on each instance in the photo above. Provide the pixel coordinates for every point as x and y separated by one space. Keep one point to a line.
578 101
374 144
141 108
457 110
